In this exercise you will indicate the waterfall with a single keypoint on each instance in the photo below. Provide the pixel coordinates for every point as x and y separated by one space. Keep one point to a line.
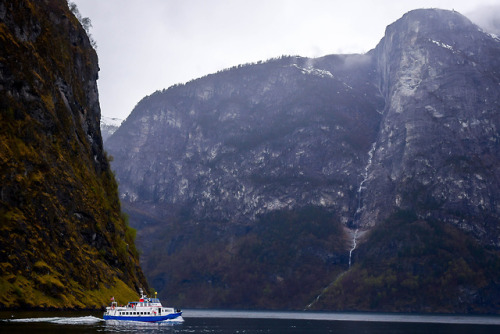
355 222
365 177
357 214
353 246
324 291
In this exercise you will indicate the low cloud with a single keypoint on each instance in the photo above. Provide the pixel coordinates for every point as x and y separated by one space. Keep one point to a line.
487 17
356 60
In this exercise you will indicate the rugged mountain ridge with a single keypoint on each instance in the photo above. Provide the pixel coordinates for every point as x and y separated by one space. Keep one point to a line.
64 243
245 141
381 169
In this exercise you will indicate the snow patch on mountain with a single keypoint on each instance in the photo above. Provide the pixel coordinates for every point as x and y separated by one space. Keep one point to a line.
443 45
314 71
108 126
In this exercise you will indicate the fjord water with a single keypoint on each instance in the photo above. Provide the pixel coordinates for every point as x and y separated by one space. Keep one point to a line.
216 321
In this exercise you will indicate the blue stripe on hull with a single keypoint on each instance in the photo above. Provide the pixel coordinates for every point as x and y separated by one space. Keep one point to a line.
143 318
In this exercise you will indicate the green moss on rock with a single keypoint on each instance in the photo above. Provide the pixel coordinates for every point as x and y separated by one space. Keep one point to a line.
61 230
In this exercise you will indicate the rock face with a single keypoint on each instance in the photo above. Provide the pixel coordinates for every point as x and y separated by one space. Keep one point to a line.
250 140
63 240
404 138
438 151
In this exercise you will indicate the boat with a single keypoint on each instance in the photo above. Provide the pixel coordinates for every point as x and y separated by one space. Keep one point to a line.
145 310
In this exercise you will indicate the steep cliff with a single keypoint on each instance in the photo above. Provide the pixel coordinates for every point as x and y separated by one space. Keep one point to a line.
438 151
380 169
431 199
250 140
63 240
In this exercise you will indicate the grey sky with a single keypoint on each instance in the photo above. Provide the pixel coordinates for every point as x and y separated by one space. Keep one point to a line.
148 45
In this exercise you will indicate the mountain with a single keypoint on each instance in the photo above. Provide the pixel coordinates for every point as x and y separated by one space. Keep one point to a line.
108 126
246 141
437 152
64 242
346 182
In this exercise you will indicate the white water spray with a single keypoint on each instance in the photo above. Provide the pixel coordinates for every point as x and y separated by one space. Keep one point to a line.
353 246
365 175
360 190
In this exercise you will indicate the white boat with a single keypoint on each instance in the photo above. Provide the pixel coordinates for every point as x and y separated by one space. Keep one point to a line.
146 310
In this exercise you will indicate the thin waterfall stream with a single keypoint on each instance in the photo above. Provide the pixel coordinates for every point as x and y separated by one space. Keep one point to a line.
357 214
353 247
356 217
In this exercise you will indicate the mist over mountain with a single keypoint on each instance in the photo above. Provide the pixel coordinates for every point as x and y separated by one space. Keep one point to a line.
488 18
346 182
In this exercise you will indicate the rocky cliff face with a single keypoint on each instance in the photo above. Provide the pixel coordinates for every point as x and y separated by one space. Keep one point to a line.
437 151
254 139
397 147
63 240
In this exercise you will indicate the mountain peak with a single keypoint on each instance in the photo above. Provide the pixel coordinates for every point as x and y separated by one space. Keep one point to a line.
439 72
436 19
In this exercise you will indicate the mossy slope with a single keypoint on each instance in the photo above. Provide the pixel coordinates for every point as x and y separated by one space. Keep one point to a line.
64 243
412 265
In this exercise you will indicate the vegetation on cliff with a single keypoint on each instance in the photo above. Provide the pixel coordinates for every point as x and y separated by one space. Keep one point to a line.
279 262
64 243
412 265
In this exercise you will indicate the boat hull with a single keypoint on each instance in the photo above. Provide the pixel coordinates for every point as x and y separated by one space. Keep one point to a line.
144 318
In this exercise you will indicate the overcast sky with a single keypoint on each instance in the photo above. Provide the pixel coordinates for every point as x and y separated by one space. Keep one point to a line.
149 45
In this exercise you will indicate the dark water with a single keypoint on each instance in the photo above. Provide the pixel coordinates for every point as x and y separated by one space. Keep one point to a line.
212 321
